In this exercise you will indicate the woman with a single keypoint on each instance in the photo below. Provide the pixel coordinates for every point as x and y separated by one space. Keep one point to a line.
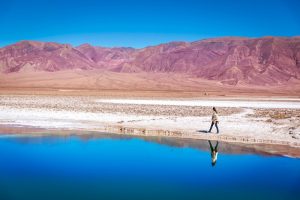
214 120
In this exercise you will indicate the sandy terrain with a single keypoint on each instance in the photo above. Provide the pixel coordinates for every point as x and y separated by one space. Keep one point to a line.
257 121
103 83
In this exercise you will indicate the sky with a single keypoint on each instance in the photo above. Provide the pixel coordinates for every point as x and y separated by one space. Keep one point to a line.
140 23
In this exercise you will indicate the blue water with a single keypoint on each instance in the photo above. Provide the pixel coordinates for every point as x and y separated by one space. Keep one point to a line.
55 167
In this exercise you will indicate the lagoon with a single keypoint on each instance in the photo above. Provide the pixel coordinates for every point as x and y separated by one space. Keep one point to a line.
107 166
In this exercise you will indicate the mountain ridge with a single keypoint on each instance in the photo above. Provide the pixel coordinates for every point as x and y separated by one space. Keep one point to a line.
229 60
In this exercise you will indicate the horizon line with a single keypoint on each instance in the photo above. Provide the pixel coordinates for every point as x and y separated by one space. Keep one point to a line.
157 44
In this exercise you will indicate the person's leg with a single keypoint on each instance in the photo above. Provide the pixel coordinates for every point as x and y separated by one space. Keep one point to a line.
216 147
212 123
210 145
216 124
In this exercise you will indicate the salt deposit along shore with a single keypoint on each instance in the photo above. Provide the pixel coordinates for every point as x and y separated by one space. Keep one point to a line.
244 121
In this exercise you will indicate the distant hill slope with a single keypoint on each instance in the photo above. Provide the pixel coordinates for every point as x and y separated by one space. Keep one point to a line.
259 61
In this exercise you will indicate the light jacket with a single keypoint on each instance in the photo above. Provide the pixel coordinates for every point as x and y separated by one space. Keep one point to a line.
215 117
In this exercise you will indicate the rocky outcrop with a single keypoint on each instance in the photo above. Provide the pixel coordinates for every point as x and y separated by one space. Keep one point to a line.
260 61
35 56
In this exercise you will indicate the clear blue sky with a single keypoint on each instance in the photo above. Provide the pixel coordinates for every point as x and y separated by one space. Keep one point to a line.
140 23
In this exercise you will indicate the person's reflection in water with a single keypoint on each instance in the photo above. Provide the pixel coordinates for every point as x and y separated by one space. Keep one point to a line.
213 153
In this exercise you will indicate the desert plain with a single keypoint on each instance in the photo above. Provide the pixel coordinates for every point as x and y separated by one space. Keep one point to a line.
252 116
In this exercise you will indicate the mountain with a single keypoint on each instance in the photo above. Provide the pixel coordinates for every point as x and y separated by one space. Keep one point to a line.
40 56
230 61
107 58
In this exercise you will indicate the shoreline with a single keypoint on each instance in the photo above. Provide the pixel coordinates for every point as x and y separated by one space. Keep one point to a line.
250 122
264 147
144 132
199 136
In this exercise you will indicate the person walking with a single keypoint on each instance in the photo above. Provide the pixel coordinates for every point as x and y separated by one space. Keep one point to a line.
214 120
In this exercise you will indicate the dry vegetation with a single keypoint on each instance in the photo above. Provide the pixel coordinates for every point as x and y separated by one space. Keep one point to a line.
276 114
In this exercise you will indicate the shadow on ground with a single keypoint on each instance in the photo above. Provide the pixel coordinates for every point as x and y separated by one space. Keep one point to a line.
202 131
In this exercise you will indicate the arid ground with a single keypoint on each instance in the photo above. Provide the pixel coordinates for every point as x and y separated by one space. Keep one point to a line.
104 83
172 105
255 120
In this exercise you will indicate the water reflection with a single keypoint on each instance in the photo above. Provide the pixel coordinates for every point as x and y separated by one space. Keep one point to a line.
213 152
107 166
202 145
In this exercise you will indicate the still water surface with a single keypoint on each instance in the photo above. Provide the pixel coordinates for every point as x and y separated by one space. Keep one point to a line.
74 167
